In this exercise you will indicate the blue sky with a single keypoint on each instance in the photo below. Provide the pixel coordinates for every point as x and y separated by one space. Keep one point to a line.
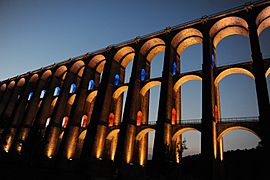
38 33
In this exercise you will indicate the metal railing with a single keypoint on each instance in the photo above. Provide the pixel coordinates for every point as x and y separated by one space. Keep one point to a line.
222 120
240 119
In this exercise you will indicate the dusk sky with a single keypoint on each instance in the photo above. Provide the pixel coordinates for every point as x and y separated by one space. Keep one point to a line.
38 33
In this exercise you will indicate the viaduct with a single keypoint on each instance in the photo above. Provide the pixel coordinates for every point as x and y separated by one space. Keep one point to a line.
69 114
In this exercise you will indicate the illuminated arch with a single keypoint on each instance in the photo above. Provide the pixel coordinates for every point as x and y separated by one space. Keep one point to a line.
149 85
151 48
119 91
34 78
60 71
226 27
263 20
267 72
113 134
53 105
181 131
82 135
46 74
230 71
71 100
186 38
91 96
143 132
97 63
235 128
11 85
21 82
3 87
124 55
185 79
76 67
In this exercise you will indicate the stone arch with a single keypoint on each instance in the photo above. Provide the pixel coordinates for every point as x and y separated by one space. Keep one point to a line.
53 104
236 128
112 134
124 56
149 85
11 85
60 71
267 72
151 48
46 74
80 142
119 91
230 71
71 100
143 132
76 67
226 27
97 63
263 20
111 143
21 82
3 87
34 78
91 96
186 38
185 79
181 131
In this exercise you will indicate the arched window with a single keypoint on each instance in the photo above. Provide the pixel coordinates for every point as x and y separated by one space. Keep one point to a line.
42 94
91 84
174 69
111 120
47 122
72 88
56 91
84 121
30 95
173 116
64 122
142 74
139 118
116 80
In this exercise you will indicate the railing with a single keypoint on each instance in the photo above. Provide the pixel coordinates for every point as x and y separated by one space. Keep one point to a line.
222 120
240 119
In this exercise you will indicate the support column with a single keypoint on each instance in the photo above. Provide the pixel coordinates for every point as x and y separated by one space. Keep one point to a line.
93 147
18 115
99 143
126 137
162 144
54 129
118 103
6 97
208 139
261 90
67 149
142 145
32 146
29 117
5 119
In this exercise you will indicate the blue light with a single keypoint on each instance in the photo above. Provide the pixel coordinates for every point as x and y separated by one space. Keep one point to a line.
142 75
57 91
174 70
91 84
213 60
72 88
42 94
30 95
116 80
